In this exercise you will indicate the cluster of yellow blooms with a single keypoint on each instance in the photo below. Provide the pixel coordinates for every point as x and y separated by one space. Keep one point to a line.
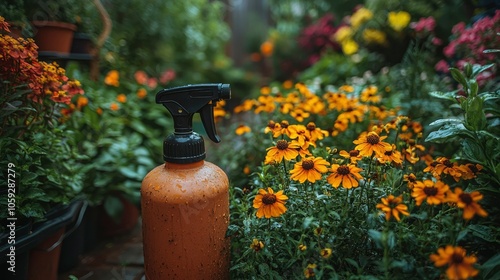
294 144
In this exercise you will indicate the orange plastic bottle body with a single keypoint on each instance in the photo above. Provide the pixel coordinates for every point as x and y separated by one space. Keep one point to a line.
185 212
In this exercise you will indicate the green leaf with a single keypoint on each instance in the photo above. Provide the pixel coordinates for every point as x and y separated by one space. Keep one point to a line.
458 76
491 268
352 262
476 69
377 237
483 232
440 122
474 115
447 132
450 95
114 208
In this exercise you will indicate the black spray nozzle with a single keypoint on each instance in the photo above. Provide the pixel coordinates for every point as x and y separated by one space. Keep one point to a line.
184 101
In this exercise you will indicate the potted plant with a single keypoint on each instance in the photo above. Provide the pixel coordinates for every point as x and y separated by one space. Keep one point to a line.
43 171
53 24
14 13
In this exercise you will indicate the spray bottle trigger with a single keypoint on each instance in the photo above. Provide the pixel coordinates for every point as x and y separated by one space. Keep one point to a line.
207 119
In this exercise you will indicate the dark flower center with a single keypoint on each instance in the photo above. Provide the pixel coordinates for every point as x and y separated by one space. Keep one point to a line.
343 170
447 163
269 199
473 168
412 178
307 164
284 124
434 163
456 258
271 124
372 139
311 126
465 198
354 153
282 145
430 191
388 153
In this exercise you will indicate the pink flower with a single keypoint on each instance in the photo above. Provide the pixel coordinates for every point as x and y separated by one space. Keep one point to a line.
442 66
167 76
424 25
449 50
458 28
436 41
152 83
141 77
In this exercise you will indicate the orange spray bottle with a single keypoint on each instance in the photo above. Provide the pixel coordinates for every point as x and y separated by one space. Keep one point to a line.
185 202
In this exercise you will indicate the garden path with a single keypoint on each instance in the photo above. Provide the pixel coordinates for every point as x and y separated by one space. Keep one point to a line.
118 258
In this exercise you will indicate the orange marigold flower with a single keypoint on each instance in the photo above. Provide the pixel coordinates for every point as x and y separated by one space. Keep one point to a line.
445 166
411 179
392 207
472 170
309 270
114 107
309 169
257 245
432 192
467 202
370 94
346 175
370 143
99 111
122 98
269 204
274 128
391 156
141 77
112 78
326 253
141 93
267 48
460 266
82 102
242 129
283 150
353 155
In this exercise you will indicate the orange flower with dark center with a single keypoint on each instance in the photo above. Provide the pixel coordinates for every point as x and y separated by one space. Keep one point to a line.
370 143
392 207
460 266
467 202
411 179
282 150
346 175
309 169
257 245
242 129
269 204
432 192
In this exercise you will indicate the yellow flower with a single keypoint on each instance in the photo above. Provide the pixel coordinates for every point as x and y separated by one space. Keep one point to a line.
370 94
353 155
391 156
361 16
346 175
314 133
112 78
432 192
122 98
343 33
468 202
309 169
282 150
257 245
460 266
309 270
411 179
269 204
325 253
242 129
398 20
302 247
349 47
370 143
392 207
375 36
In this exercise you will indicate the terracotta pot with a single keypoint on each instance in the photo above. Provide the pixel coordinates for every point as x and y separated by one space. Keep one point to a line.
128 220
52 36
44 259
